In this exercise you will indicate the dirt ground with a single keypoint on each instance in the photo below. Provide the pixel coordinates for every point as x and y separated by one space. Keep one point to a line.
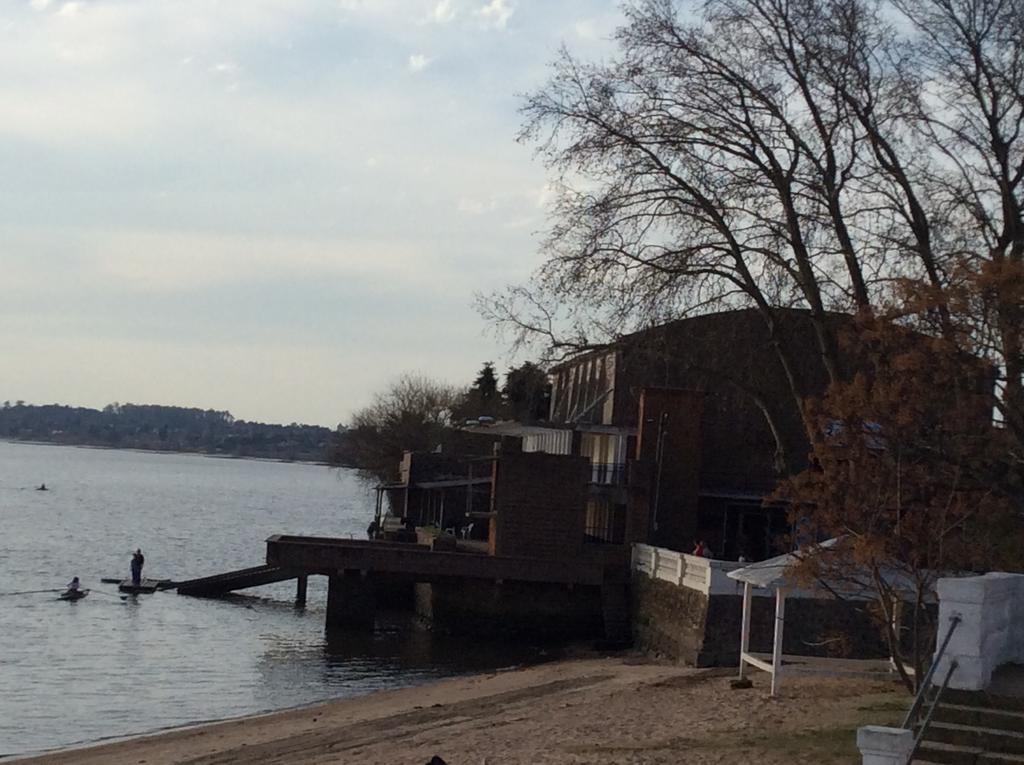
618 710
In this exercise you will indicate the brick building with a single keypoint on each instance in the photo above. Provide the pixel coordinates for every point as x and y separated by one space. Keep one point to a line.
682 430
687 426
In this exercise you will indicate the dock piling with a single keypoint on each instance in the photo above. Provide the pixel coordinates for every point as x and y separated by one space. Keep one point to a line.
300 590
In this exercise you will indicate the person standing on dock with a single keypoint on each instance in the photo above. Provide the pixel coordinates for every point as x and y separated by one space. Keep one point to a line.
138 559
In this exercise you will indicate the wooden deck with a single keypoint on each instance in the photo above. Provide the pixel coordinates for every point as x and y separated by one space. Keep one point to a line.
327 555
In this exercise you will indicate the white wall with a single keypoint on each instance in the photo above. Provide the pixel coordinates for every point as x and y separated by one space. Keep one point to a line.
885 746
991 631
702 574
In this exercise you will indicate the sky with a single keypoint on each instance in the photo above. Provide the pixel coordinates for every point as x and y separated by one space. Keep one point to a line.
274 207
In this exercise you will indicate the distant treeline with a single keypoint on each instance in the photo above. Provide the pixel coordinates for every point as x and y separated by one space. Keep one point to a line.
164 428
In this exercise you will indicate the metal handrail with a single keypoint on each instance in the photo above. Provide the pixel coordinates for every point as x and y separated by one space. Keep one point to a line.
922 690
931 711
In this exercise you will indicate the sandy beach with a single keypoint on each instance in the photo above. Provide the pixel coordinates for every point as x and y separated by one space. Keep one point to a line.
624 709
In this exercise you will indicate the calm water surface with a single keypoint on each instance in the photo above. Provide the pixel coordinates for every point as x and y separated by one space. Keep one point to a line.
103 667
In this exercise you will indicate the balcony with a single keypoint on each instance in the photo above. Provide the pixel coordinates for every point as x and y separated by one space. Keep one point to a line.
608 473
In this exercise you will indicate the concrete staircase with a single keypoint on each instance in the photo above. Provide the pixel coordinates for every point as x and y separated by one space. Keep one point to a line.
975 728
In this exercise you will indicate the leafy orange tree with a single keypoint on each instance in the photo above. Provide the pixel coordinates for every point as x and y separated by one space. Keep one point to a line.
911 477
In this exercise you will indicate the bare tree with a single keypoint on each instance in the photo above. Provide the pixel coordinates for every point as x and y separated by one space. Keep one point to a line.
835 155
412 413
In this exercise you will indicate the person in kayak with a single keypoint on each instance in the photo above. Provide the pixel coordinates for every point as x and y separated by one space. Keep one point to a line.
74 585
138 559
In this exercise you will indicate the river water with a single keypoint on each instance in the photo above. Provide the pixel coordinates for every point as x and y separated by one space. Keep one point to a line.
106 666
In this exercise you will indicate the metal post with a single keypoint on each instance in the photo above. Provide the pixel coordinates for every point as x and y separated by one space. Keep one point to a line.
300 590
659 457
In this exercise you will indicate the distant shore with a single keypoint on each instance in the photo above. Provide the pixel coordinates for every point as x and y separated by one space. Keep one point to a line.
36 442
624 709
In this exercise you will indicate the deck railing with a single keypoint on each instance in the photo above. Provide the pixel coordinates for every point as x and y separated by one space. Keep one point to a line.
701 574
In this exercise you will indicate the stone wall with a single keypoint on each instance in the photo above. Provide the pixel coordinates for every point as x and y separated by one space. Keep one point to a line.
688 626
511 609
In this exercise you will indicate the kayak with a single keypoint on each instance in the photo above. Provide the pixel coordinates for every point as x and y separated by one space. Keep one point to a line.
73 594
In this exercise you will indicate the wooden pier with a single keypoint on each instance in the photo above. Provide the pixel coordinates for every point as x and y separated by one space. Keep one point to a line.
442 583
328 556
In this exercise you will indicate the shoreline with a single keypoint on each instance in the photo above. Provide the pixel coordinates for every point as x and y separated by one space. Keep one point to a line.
612 709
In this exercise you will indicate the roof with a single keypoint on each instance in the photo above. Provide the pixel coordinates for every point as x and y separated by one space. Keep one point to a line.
772 572
451 482
710 323
513 428
441 483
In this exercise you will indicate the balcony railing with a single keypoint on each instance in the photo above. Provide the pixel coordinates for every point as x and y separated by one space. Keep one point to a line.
608 473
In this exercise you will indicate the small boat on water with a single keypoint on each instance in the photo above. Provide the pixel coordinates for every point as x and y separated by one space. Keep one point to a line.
72 594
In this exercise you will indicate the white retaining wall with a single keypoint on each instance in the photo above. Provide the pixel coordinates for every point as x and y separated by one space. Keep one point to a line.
991 630
701 574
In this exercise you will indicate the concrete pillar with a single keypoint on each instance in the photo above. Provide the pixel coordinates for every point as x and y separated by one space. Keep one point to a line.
990 632
885 746
350 600
300 590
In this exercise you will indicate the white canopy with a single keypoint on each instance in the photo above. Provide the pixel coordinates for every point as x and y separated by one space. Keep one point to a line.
772 573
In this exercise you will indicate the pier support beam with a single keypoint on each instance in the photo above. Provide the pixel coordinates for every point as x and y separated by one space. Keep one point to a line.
300 590
350 600
615 612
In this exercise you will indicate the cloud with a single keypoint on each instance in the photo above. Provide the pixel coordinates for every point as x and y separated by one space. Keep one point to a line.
331 183
418 62
70 10
586 29
596 30
476 206
495 14
443 12
176 261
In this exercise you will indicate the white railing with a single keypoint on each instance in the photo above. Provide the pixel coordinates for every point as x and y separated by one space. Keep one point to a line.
701 574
